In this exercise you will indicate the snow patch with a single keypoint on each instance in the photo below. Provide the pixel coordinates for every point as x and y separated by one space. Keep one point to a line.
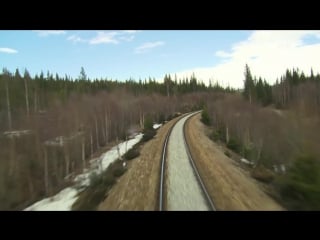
243 160
156 125
16 133
60 202
65 198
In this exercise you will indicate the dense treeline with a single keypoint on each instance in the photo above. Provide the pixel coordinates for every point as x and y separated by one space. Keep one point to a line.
294 90
51 126
275 127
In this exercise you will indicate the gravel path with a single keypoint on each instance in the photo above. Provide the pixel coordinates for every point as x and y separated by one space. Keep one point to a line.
183 190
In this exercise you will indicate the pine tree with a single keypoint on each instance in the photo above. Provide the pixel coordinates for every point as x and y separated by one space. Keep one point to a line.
83 75
248 84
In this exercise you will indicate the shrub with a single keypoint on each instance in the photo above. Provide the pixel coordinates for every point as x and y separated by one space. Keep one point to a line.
149 134
94 194
118 170
131 154
233 145
205 117
300 187
262 174
169 117
228 154
215 136
148 124
161 118
176 115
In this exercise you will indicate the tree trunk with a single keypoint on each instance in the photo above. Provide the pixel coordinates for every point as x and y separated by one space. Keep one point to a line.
260 146
35 101
12 156
103 130
67 159
106 128
227 134
30 186
83 153
8 107
27 96
97 132
46 177
118 149
140 120
91 143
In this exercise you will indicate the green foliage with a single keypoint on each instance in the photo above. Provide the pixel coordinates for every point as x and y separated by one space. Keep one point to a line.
215 136
100 184
300 187
118 169
218 135
132 153
248 152
205 117
148 135
228 154
169 117
255 90
161 118
148 132
249 85
234 145
148 124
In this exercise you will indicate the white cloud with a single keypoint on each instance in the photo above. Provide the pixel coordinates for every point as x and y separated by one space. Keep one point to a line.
105 37
76 38
268 54
131 31
44 33
147 46
223 54
127 38
8 50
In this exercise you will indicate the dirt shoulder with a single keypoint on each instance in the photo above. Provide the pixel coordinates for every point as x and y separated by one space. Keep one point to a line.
138 188
230 187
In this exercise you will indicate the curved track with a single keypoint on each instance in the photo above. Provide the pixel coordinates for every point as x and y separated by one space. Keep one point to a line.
198 194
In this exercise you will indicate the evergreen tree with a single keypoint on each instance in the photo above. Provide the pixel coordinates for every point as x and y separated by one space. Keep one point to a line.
83 75
248 85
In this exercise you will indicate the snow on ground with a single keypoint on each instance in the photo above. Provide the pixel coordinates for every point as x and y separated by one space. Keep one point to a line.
156 125
246 161
60 202
65 198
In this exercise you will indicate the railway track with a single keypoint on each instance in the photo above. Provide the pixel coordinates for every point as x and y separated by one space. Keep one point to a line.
163 188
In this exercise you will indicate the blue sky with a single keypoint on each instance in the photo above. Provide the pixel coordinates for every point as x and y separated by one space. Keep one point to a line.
216 55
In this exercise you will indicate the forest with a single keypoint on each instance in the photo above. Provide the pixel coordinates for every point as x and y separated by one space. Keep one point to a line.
51 126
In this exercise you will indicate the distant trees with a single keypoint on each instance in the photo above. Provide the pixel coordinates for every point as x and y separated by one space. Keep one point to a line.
256 91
